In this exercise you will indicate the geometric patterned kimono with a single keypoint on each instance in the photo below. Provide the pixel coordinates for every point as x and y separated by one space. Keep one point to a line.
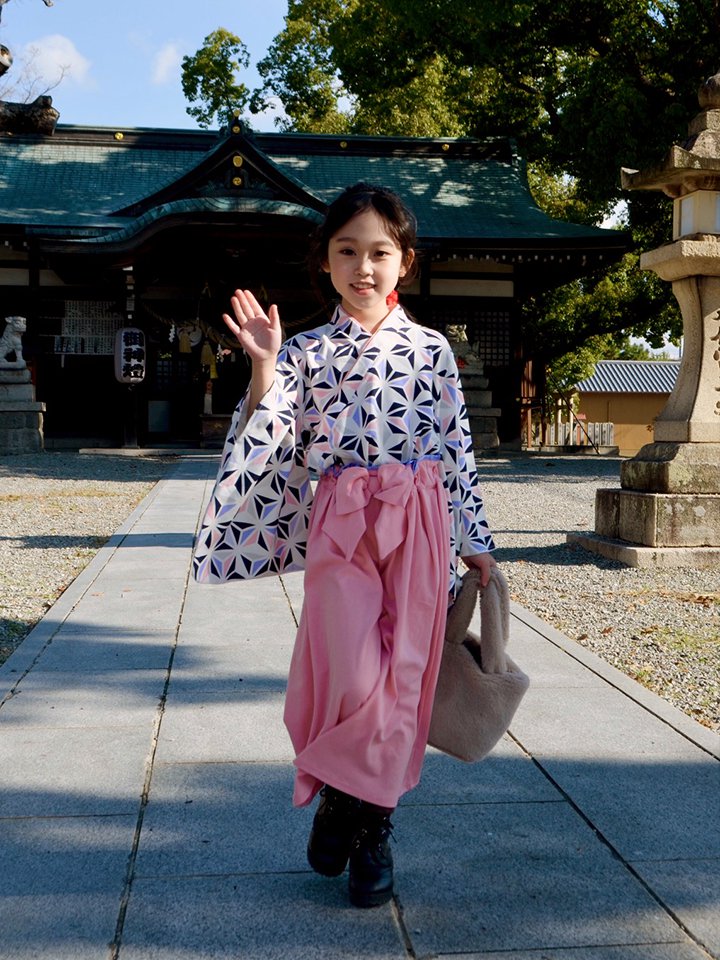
379 420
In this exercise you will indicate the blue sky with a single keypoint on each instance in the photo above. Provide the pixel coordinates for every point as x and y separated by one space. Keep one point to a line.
122 57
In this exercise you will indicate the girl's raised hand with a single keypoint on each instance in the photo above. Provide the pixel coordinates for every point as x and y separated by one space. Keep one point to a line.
257 332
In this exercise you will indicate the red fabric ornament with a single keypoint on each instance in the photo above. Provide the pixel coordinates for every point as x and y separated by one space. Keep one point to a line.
391 299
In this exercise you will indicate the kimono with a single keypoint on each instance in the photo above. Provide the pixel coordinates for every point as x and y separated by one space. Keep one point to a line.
379 421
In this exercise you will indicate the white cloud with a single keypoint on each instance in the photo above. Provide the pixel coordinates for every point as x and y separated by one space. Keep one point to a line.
166 64
55 57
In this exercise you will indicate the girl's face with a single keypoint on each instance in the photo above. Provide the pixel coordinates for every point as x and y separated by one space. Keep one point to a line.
364 263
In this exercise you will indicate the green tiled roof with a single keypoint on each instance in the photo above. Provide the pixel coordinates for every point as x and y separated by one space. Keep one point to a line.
197 206
451 197
55 181
96 182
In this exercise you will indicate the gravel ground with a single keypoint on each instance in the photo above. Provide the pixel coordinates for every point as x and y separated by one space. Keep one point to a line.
662 629
56 510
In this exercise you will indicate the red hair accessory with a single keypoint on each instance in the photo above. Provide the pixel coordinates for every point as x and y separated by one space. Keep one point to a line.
391 299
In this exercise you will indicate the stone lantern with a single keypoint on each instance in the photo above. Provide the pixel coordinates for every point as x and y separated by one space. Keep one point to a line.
667 512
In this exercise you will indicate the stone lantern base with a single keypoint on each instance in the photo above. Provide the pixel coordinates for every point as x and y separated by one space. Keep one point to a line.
667 513
21 417
645 558
673 467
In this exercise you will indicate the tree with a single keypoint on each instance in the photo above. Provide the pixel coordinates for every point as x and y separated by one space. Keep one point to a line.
209 78
583 86
299 71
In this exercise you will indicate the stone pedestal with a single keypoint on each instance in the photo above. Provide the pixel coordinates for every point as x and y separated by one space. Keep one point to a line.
482 415
665 467
21 417
658 519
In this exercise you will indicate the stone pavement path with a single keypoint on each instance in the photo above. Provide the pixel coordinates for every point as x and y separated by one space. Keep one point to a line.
146 780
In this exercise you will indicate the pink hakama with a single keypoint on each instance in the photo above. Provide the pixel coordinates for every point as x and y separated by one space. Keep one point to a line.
368 649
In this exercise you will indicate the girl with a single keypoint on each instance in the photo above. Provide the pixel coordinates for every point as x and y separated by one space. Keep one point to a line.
371 404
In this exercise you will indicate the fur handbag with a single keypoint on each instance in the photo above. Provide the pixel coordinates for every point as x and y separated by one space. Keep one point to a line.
479 687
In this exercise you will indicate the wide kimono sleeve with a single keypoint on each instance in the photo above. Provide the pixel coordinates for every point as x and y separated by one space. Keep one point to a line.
469 528
256 520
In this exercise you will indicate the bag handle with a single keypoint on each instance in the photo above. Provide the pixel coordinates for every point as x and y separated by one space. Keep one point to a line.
494 600
494 623
461 612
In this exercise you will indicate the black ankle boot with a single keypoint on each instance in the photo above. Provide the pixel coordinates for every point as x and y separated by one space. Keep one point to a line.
371 861
334 825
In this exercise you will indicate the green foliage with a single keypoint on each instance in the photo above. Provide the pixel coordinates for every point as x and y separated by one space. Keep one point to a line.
298 70
209 78
583 86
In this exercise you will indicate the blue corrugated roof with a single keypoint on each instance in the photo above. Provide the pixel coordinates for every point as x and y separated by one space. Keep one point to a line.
631 376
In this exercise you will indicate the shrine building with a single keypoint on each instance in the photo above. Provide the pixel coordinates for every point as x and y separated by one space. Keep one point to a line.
104 229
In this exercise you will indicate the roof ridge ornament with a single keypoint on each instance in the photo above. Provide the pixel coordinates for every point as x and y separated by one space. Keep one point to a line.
37 117
40 116
237 126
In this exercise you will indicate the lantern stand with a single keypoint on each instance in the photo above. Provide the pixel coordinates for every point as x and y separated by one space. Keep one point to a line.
667 512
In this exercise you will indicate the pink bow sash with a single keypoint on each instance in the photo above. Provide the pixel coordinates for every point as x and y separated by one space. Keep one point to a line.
392 484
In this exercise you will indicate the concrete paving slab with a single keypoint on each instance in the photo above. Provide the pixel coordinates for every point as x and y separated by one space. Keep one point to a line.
226 613
600 726
62 879
542 635
204 665
226 670
222 818
282 917
548 665
506 775
65 699
516 877
691 889
163 528
645 951
210 727
146 565
611 776
71 772
83 649
136 606
650 810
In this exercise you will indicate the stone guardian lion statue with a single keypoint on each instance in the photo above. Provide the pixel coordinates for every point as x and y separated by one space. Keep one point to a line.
11 344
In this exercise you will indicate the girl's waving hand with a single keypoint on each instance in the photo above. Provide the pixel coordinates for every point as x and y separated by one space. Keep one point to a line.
257 332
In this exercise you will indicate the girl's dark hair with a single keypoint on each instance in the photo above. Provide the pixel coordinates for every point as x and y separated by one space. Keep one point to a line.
399 222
